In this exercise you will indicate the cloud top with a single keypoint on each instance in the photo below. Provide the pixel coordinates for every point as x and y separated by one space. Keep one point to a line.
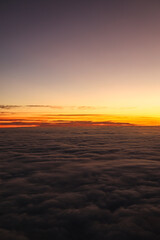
80 183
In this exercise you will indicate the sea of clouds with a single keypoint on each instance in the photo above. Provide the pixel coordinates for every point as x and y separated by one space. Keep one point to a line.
74 183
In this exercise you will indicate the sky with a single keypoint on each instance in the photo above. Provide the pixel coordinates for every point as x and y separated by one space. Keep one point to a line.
96 59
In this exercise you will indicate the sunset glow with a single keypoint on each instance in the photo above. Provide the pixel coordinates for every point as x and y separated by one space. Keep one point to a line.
47 116
105 63
80 120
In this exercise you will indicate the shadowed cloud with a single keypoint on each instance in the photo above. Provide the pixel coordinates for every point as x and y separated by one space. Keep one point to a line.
38 123
8 107
80 183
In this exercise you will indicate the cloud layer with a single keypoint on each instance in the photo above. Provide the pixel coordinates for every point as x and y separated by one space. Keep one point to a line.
80 183
37 123
8 107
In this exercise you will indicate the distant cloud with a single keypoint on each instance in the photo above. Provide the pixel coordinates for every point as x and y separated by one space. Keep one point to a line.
62 107
92 123
39 123
50 106
44 106
9 106
18 123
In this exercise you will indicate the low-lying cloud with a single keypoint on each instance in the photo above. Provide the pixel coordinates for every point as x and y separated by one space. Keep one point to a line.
38 123
80 183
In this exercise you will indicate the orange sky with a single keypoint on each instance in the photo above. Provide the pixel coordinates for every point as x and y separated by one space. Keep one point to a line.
44 116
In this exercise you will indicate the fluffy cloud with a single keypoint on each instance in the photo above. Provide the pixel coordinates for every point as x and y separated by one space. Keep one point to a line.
80 183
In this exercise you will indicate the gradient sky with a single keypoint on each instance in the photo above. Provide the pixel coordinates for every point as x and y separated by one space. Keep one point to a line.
75 57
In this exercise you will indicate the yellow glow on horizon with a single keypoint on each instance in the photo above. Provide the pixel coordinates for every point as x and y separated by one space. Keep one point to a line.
46 116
